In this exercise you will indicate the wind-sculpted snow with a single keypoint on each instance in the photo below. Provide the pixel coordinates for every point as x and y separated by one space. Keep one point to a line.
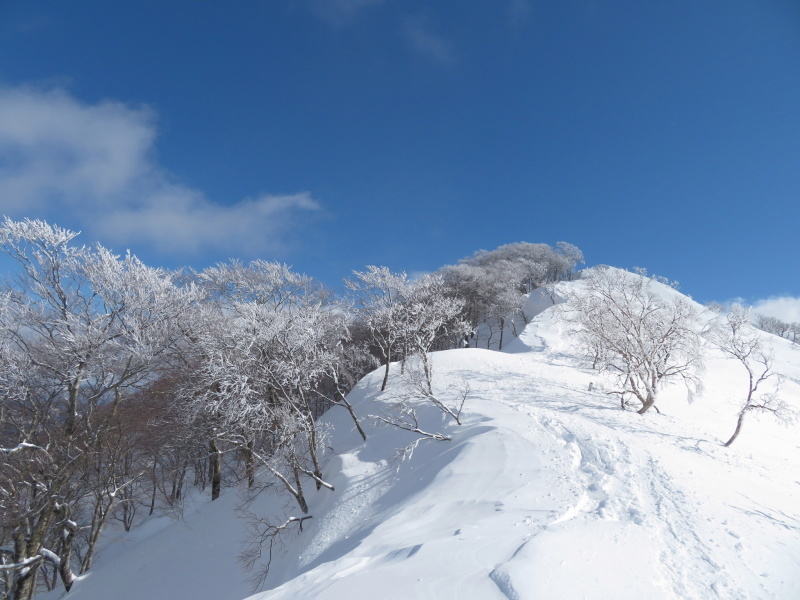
562 495
548 490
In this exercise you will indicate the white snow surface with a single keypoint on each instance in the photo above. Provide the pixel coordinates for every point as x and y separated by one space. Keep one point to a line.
546 491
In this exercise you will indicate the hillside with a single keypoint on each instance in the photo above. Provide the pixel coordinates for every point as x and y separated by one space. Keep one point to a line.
547 490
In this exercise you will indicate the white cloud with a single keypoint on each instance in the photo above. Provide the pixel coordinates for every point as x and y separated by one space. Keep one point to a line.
52 146
184 221
425 42
785 308
95 164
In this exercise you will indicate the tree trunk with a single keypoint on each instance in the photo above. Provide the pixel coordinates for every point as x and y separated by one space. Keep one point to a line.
27 545
214 468
738 428
64 568
101 512
128 513
647 405
249 465
352 414
312 448
428 374
502 326
386 375
73 390
301 499
155 489
24 585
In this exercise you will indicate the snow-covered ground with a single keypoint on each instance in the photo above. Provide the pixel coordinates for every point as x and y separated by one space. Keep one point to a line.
548 490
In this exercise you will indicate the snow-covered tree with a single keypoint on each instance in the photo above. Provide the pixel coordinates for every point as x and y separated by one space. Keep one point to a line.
430 314
379 296
738 339
262 349
83 328
633 332
491 295
268 346
534 264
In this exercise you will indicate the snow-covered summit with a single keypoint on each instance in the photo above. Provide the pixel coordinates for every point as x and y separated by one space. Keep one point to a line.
547 490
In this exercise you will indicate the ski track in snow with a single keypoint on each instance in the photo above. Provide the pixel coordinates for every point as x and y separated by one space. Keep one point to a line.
617 487
612 482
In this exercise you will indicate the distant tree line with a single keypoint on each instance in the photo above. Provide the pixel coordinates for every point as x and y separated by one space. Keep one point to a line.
492 284
773 325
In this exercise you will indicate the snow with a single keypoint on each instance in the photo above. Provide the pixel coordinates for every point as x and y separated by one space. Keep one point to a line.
193 557
548 490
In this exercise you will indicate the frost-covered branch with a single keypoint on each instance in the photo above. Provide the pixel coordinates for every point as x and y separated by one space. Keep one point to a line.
265 537
406 419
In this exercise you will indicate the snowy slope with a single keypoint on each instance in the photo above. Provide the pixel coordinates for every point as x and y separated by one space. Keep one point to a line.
548 490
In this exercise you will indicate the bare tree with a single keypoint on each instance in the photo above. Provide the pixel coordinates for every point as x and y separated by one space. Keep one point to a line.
629 330
737 338
416 393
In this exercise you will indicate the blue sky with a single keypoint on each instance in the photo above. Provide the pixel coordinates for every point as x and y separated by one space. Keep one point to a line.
331 134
